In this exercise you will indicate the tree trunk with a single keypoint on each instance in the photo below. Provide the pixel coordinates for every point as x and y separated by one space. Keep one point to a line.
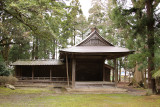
150 41
125 76
137 74
125 69
82 35
54 47
129 77
33 50
143 79
5 52
74 37
36 48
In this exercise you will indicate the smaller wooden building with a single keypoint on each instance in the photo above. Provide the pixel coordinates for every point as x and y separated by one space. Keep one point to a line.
40 70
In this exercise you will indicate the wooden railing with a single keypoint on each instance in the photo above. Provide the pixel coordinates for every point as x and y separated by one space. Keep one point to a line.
44 78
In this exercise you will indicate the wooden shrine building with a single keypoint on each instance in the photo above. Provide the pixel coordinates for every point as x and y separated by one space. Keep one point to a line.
83 62
87 59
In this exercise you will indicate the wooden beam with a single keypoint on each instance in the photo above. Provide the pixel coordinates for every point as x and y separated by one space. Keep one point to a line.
116 72
67 69
32 72
89 57
73 72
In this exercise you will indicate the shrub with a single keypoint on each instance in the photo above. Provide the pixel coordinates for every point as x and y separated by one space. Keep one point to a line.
3 80
8 80
4 70
12 80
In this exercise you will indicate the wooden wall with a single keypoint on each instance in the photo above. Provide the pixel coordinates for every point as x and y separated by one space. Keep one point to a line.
107 74
89 70
86 70
23 70
41 71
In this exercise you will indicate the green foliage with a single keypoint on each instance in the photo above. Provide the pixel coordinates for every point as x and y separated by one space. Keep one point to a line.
26 22
131 24
35 29
4 70
156 73
70 24
98 16
19 52
82 26
118 18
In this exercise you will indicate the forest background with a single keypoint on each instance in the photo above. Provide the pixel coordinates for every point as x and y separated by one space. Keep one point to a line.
37 29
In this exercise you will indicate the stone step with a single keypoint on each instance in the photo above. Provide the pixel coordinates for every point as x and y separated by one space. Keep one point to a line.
97 90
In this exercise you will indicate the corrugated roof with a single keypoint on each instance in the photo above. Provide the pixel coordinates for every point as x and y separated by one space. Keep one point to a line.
38 62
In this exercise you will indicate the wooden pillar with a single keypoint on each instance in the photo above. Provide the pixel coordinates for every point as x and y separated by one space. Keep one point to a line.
50 73
32 72
113 75
116 72
104 75
73 72
20 72
67 69
15 71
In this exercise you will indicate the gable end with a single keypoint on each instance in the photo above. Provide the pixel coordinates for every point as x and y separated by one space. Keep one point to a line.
94 39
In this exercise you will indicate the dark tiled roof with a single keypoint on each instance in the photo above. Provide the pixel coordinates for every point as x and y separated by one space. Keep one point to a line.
95 44
39 62
95 49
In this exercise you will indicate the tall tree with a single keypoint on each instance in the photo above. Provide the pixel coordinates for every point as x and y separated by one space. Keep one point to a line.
97 16
26 20
140 21
82 26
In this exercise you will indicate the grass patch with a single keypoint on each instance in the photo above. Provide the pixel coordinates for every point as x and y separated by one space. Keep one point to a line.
44 97
96 100
7 91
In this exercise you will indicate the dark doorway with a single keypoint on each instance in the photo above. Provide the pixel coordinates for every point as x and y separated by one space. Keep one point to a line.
89 70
